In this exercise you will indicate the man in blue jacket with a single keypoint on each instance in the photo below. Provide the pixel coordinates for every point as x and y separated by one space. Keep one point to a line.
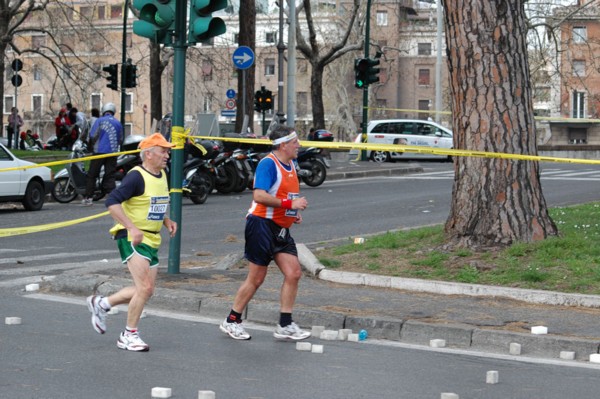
105 137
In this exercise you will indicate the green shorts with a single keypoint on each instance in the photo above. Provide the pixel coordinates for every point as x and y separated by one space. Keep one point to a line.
145 251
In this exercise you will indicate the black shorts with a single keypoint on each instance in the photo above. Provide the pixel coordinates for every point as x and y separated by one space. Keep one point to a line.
264 239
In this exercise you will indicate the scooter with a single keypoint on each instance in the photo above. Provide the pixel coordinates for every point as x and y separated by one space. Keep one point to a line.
71 181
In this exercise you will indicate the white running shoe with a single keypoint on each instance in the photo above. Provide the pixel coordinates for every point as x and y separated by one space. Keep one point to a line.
87 202
234 330
98 313
292 332
132 342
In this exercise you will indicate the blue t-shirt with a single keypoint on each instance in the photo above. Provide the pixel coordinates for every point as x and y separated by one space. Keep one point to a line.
109 134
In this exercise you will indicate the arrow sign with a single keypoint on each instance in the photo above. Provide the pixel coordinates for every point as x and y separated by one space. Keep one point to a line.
243 57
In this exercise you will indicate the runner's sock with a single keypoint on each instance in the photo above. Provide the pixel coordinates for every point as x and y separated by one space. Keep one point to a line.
129 330
285 319
234 317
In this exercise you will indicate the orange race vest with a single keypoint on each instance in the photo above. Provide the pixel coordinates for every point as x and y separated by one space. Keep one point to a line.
286 187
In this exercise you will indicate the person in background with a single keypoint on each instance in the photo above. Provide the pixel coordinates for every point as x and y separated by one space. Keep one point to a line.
62 123
139 206
14 125
105 138
275 207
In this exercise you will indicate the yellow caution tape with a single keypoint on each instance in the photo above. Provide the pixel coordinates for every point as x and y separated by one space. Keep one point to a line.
414 149
179 136
66 161
16 231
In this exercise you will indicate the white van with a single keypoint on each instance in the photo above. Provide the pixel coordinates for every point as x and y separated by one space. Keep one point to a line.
414 132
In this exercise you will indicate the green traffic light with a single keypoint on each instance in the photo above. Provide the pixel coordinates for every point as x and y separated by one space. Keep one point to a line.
359 83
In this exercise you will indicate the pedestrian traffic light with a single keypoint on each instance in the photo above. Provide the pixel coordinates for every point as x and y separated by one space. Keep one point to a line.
203 25
361 66
372 72
113 76
157 20
130 75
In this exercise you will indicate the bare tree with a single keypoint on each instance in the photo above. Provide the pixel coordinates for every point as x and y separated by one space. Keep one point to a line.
320 55
495 202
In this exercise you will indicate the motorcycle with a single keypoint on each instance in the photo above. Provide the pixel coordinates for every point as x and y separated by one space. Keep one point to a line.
311 166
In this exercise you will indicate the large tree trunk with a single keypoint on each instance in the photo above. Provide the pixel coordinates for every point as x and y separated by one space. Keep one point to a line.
316 96
156 70
247 37
495 202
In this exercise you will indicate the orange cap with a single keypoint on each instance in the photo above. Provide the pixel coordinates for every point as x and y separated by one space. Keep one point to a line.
155 140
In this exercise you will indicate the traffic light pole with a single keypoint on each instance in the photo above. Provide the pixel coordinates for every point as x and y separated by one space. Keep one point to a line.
365 111
180 48
124 51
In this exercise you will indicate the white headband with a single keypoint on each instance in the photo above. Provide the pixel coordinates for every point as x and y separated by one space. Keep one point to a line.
285 139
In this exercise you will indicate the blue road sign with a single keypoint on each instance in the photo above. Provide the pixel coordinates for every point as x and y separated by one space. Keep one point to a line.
230 93
228 113
243 57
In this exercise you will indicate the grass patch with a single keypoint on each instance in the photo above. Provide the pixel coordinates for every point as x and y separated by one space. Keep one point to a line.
567 263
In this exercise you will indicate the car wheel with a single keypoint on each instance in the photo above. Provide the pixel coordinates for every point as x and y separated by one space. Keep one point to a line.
380 156
34 196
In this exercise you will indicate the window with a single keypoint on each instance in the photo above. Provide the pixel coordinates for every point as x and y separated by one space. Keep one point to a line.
37 72
36 104
236 37
271 37
206 104
101 12
424 106
302 65
128 102
382 18
207 70
578 110
86 12
95 101
424 49
127 129
579 68
577 135
116 11
424 77
381 107
301 103
38 41
269 66
579 34
9 102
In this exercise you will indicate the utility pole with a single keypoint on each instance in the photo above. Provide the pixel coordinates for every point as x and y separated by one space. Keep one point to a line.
438 65
291 86
123 60
365 111
280 50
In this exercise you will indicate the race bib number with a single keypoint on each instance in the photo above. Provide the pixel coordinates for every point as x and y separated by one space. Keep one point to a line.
158 208
292 212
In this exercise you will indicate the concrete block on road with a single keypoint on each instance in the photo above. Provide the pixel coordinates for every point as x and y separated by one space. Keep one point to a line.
514 349
12 321
316 331
532 345
329 335
567 355
303 346
437 343
317 349
595 358
378 328
491 377
449 395
420 333
343 334
206 395
540 330
32 287
161 392
353 338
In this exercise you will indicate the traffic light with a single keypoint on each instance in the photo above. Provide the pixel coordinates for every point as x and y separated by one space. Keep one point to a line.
113 76
267 100
157 20
361 66
258 101
130 75
203 25
372 72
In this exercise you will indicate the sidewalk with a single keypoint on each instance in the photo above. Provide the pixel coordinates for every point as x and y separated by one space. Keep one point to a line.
472 317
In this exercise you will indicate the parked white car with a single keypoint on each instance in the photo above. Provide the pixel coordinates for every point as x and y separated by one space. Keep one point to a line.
28 186
414 132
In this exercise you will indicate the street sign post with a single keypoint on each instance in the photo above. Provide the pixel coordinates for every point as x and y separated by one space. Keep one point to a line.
243 58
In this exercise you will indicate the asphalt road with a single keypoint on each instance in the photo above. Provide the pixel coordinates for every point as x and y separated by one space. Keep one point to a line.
55 354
